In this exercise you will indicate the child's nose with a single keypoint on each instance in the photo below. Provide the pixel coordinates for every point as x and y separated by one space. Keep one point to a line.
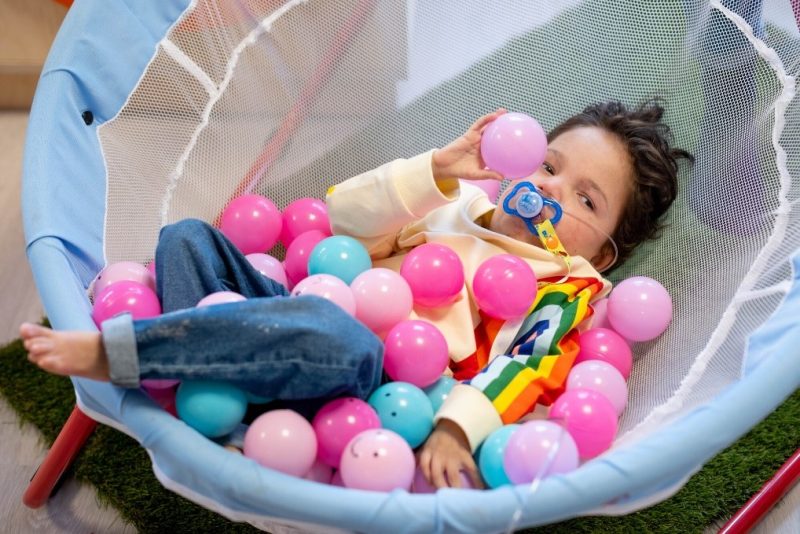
551 189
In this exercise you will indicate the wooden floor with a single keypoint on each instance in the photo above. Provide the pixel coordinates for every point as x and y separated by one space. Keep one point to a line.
75 509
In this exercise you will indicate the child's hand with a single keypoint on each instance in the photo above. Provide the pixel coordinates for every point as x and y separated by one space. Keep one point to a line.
462 158
445 454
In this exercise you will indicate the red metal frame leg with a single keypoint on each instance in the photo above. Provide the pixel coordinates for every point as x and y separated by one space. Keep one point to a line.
760 503
67 445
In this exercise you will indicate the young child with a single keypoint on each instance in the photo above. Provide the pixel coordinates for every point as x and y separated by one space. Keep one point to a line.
610 168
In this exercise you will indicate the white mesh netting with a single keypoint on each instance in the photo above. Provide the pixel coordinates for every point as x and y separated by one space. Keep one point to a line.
286 98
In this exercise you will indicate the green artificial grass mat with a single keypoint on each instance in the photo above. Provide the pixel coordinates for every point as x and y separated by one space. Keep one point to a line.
121 472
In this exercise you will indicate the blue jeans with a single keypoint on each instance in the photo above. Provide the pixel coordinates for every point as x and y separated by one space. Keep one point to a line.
272 345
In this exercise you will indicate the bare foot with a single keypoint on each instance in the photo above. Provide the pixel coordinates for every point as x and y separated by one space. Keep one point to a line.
66 353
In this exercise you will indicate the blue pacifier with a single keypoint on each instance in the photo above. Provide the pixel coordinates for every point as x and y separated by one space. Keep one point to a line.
529 205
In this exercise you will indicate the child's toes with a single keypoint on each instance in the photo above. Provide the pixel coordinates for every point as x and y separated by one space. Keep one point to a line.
39 346
29 330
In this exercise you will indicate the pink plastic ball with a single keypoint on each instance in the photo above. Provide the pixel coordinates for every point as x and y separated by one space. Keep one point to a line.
421 485
608 346
490 187
159 383
531 452
589 417
434 273
320 472
600 317
639 308
252 222
383 299
268 266
328 287
504 286
282 440
220 297
164 397
514 144
122 271
377 460
297 253
125 296
337 423
302 215
602 377
416 352
336 479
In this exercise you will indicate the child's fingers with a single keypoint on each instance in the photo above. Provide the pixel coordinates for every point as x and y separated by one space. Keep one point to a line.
424 462
488 174
482 122
438 476
454 474
473 474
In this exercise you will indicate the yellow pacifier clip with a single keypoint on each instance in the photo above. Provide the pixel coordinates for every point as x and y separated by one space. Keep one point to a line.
551 242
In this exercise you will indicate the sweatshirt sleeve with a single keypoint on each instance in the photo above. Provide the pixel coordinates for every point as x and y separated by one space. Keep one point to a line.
535 368
373 207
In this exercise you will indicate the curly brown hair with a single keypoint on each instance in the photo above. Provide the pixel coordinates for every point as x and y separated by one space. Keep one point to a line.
655 165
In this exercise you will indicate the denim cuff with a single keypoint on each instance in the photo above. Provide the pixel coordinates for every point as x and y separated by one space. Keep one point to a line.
119 341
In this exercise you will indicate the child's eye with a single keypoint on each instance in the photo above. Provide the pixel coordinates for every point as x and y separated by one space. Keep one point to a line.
548 168
587 201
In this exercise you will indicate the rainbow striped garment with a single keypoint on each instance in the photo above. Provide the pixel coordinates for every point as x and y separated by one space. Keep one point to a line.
539 359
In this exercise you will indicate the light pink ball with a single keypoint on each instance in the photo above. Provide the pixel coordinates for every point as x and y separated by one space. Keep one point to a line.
320 472
298 252
531 452
328 287
490 187
252 222
303 215
504 287
337 423
589 417
377 460
122 271
602 377
125 296
151 268
220 297
514 144
608 346
383 299
282 440
600 317
268 266
434 273
416 352
639 308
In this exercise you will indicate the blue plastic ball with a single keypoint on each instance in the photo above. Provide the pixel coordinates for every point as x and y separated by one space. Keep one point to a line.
490 458
340 256
212 408
405 409
439 390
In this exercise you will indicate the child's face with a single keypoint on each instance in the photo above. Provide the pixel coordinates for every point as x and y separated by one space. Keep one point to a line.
589 171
